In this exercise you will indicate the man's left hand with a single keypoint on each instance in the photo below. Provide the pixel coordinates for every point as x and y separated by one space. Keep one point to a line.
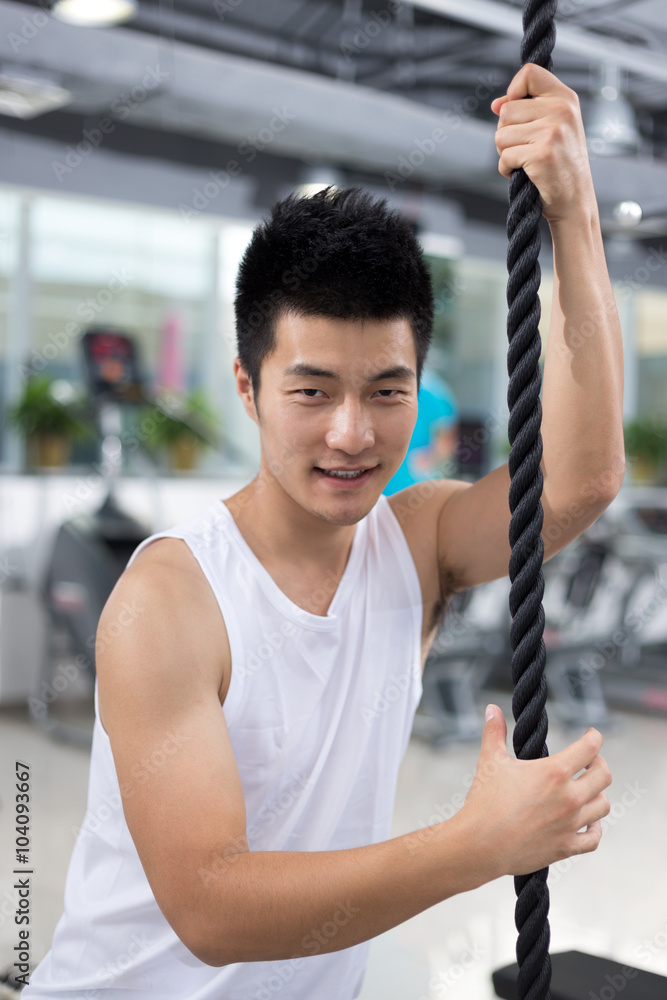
546 137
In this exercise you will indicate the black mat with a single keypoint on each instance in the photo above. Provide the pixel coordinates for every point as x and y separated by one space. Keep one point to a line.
577 976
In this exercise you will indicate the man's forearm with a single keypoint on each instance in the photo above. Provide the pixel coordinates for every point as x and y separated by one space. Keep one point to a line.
274 905
518 817
583 377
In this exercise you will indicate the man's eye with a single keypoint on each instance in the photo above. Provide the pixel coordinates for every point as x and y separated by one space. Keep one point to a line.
309 391
388 390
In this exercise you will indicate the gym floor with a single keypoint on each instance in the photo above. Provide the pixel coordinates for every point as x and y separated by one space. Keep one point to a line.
612 903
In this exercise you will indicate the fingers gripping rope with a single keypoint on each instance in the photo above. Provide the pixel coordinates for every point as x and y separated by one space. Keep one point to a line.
525 568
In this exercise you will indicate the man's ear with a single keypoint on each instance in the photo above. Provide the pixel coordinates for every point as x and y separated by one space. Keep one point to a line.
245 390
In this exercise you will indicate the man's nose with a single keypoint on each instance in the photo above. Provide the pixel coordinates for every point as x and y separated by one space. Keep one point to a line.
351 428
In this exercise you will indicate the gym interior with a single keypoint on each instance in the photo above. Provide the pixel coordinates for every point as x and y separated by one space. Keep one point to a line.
141 142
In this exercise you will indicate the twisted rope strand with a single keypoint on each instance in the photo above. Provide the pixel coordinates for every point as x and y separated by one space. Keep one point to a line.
525 567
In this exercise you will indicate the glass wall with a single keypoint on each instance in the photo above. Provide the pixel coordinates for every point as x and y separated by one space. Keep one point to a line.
166 281
10 205
67 263
100 264
469 351
651 340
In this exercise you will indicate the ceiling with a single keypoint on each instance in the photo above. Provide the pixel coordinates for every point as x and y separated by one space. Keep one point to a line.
359 85
430 52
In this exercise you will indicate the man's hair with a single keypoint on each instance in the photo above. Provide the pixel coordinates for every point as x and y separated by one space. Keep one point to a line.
341 254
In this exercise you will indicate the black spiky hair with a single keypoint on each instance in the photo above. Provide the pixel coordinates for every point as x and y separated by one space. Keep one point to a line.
341 253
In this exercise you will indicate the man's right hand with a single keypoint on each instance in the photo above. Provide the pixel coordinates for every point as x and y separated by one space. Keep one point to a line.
523 815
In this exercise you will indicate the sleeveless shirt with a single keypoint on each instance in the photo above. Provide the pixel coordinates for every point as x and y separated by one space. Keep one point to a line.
319 712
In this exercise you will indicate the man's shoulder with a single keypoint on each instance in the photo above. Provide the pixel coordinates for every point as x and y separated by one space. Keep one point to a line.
169 550
417 507
165 561
167 573
166 598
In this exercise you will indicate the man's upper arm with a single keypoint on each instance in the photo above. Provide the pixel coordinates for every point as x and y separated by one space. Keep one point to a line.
473 528
158 687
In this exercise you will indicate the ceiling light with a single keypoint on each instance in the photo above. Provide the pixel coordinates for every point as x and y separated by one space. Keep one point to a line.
627 214
26 96
94 13
610 122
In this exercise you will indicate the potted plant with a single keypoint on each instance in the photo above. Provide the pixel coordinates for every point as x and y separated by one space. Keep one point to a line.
181 426
50 417
646 447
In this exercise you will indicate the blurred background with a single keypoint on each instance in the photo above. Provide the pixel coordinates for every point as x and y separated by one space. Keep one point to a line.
140 143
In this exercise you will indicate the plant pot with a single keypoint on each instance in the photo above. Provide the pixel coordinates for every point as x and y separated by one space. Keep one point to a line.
184 452
47 450
645 471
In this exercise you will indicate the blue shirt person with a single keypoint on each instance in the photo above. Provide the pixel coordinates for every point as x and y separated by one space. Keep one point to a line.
434 437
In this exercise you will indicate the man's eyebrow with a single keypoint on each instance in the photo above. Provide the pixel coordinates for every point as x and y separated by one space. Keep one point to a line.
312 371
398 371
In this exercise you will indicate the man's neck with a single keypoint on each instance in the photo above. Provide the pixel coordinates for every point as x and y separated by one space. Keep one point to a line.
281 533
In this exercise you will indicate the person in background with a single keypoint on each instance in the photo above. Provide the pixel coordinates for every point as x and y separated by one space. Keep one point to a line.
434 438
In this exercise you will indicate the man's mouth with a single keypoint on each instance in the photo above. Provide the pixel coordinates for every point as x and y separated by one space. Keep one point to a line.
341 473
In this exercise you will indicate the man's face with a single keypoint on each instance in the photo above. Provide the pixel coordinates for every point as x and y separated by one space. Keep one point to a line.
336 395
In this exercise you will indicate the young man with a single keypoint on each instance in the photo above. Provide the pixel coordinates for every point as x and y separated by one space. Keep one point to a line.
243 768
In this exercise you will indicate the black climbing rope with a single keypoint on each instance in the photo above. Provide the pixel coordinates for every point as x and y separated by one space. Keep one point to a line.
525 567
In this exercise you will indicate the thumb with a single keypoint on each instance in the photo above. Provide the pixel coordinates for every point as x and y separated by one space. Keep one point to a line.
498 102
494 734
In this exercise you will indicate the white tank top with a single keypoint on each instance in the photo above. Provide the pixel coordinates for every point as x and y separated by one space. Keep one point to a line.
319 711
